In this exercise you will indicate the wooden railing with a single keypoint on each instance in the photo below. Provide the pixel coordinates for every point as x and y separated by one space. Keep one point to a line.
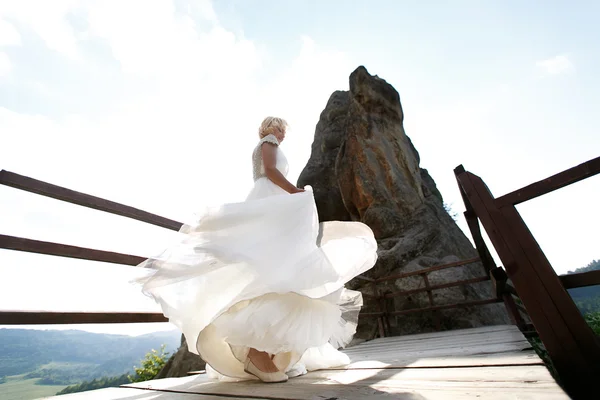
54 317
570 342
10 317
57 249
383 315
573 347
71 196
13 317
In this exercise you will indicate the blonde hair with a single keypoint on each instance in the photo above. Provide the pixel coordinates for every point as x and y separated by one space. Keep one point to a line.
269 125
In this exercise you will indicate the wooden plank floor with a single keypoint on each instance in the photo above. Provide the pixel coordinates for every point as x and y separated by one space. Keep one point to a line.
494 362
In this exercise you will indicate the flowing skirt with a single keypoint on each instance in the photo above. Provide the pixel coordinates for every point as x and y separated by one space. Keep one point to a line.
264 274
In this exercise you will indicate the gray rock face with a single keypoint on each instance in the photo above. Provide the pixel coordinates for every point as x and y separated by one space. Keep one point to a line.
363 167
181 363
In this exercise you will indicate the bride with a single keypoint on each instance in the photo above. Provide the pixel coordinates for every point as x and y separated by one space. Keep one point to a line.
257 287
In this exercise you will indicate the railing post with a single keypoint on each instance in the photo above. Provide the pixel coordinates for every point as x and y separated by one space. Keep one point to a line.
498 277
381 300
571 344
436 317
484 254
513 311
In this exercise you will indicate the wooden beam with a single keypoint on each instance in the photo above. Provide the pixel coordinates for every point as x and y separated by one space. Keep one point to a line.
484 254
368 295
525 281
61 318
64 250
519 306
552 284
371 314
499 278
427 270
487 212
436 287
513 311
571 281
511 289
436 317
447 306
71 196
569 341
382 308
562 179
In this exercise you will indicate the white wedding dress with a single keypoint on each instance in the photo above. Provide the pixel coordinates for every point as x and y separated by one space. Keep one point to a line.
264 274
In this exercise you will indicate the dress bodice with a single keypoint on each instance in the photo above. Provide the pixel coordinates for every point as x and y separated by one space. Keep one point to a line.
258 166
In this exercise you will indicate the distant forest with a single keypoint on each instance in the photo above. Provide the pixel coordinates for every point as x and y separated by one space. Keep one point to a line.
587 298
96 384
68 357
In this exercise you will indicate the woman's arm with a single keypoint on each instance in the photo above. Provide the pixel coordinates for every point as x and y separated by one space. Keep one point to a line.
269 156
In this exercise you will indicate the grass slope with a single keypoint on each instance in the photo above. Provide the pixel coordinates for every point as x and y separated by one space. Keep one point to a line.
18 388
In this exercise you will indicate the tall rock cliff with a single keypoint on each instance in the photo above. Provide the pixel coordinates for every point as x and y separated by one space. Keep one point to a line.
363 167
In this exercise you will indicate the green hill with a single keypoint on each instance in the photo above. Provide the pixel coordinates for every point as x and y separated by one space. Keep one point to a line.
68 357
587 298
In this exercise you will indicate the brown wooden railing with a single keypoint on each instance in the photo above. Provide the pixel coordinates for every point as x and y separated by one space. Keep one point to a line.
573 347
570 342
53 317
71 196
17 317
57 249
383 315
502 291
11 317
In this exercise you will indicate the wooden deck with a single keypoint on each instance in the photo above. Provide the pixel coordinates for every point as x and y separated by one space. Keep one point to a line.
494 362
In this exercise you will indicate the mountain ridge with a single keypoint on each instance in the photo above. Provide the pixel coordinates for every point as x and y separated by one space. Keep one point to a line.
25 351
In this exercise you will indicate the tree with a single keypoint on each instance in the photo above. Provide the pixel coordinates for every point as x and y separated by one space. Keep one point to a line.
593 320
593 266
453 214
151 365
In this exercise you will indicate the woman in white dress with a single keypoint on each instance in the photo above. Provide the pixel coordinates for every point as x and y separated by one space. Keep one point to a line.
257 287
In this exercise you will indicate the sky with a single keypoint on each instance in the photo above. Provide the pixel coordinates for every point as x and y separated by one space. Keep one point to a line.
156 105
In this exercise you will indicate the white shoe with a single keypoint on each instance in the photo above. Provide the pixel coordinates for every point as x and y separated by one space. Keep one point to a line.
267 377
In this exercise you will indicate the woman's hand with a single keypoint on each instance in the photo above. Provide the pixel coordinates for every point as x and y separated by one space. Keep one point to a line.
269 155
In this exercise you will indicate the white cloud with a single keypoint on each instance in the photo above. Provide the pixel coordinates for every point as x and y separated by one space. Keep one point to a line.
556 65
176 132
48 19
5 64
198 107
187 81
300 92
9 36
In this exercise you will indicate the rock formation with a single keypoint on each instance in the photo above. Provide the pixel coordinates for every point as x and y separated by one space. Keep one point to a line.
363 167
181 362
